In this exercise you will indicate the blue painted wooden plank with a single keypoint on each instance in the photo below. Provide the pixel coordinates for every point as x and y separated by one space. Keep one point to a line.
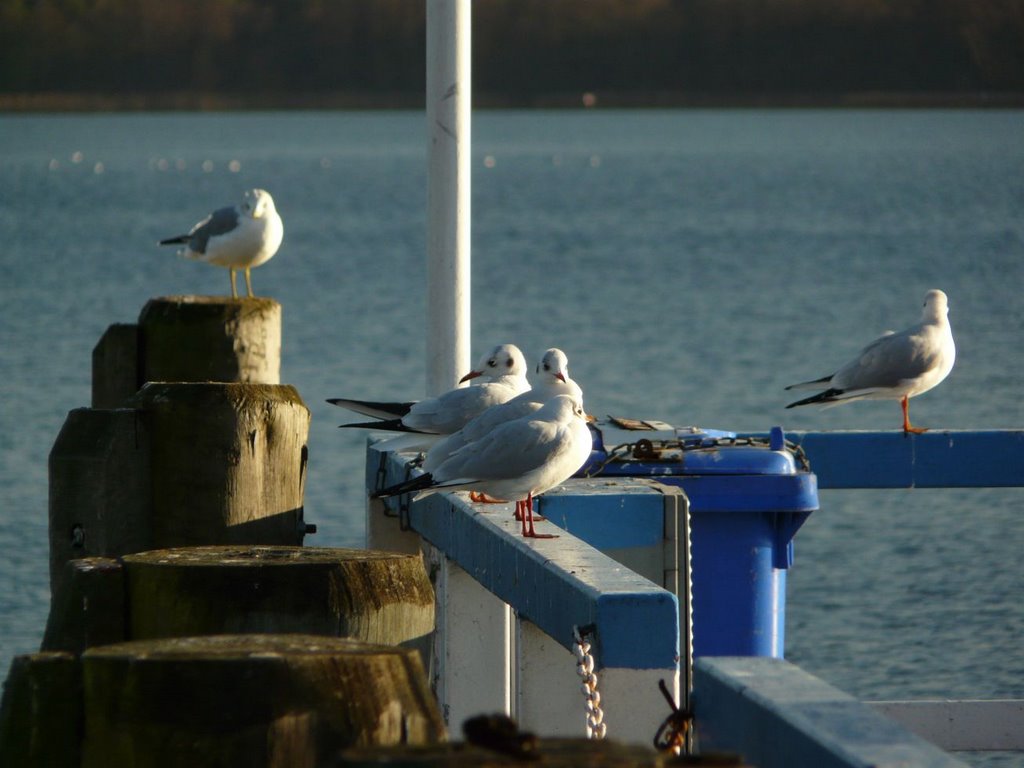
778 716
935 459
612 513
554 583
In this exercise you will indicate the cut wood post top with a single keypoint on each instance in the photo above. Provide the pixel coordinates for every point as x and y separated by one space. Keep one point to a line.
255 646
201 392
263 555
210 338
253 700
379 597
199 305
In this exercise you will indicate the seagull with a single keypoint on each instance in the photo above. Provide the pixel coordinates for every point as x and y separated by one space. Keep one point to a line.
503 372
552 379
516 460
237 237
895 366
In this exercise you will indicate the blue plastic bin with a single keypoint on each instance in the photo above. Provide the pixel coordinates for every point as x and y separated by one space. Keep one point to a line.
747 501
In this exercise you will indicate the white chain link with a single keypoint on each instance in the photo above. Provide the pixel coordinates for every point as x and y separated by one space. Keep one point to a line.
596 727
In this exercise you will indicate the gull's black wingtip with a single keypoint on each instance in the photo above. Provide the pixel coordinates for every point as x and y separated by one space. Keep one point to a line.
418 483
828 396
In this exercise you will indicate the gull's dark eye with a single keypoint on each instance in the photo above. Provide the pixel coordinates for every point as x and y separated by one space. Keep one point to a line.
492 362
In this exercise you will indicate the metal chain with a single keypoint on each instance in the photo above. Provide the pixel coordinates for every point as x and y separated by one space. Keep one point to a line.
645 449
596 727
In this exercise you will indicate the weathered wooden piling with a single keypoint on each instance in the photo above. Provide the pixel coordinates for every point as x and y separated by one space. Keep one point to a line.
253 700
116 375
211 338
41 712
228 462
89 609
378 597
183 463
99 488
189 338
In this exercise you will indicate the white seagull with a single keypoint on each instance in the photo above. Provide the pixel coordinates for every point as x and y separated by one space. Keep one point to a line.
503 371
238 237
517 460
895 366
552 379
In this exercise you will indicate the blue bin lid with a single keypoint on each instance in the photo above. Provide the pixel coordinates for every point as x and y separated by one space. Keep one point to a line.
659 449
720 471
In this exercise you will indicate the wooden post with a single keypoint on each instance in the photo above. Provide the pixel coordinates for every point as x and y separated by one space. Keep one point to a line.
183 464
41 712
378 597
228 463
252 700
188 338
115 366
211 338
99 488
89 608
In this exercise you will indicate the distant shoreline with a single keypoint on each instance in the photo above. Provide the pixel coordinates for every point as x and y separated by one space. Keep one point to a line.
67 102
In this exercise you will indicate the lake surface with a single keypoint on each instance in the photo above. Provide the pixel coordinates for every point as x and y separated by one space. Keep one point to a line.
690 263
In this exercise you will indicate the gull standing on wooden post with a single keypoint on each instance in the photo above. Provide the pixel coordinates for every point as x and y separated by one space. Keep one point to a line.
237 237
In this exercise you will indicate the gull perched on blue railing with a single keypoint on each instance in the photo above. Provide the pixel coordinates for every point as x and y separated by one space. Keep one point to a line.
517 460
895 366
237 237
503 375
552 378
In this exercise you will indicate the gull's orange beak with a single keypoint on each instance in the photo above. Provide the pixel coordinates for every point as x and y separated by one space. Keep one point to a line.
470 375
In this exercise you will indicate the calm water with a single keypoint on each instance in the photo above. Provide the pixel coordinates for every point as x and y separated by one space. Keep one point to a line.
690 263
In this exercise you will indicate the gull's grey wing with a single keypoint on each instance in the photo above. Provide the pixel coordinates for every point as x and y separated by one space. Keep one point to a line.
220 222
890 360
514 449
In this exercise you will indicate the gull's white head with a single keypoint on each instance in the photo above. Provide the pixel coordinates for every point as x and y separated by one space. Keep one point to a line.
554 364
503 360
936 305
257 203
562 408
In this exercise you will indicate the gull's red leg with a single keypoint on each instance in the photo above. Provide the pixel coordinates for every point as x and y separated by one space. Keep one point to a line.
530 532
905 405
521 516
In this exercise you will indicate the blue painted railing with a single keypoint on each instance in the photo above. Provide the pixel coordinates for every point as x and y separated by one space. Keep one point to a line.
560 586
556 584
935 459
562 583
778 716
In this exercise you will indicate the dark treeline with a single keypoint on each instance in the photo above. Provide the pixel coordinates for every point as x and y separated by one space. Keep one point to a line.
525 51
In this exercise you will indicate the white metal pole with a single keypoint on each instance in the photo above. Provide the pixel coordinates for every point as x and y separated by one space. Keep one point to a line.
448 192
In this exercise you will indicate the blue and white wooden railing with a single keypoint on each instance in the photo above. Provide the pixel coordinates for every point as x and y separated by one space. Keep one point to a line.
507 607
507 610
